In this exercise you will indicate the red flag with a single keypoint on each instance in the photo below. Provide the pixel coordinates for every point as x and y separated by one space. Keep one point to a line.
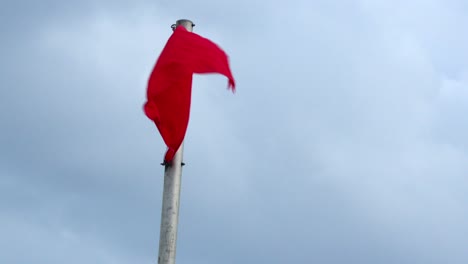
170 83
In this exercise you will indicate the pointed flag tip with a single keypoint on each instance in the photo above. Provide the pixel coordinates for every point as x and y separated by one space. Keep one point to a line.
232 85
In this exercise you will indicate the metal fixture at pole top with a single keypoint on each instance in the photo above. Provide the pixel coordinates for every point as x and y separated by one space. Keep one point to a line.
188 24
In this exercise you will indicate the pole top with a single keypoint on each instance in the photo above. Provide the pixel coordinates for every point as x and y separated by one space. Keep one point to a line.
188 24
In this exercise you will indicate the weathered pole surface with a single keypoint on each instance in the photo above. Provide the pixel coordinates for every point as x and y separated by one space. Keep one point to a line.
171 196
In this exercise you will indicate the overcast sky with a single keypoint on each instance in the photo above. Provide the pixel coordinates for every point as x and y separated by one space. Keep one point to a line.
346 142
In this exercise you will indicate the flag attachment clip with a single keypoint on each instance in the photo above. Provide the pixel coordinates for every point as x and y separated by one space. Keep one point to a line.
165 163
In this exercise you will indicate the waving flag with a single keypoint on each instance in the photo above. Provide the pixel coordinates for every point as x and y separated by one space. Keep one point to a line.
170 83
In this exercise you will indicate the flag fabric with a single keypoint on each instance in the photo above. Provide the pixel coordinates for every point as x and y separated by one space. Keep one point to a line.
170 83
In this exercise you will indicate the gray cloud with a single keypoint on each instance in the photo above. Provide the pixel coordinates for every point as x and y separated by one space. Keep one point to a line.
344 143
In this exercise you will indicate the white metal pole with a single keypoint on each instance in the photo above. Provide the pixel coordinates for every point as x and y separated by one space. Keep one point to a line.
171 196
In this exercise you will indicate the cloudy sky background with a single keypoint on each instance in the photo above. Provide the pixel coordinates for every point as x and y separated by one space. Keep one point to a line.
345 143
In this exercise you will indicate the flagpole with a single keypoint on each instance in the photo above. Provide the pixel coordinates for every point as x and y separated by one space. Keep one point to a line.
171 195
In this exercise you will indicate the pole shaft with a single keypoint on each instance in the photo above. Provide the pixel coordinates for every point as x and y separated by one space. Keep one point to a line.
171 197
170 210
